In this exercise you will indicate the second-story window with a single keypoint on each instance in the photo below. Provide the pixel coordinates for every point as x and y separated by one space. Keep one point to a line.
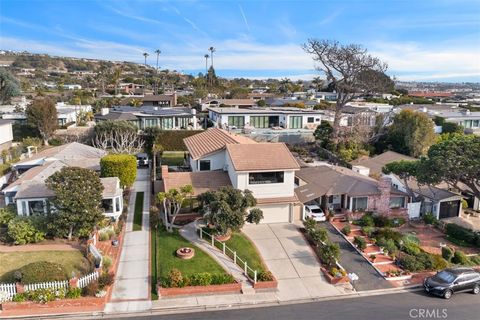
204 165
265 177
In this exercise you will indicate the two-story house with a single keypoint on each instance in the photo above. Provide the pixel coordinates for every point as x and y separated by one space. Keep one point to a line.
219 158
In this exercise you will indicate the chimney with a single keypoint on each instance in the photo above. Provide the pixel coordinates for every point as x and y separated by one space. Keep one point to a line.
384 186
104 111
164 172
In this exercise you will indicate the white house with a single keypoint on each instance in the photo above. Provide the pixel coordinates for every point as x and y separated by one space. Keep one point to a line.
219 158
6 134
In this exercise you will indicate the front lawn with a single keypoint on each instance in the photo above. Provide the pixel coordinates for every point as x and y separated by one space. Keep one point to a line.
72 261
167 245
246 250
138 213
173 158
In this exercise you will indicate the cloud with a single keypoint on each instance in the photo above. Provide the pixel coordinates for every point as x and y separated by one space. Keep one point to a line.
330 18
244 17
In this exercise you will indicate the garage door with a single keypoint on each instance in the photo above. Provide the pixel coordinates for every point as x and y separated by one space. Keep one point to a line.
449 209
275 213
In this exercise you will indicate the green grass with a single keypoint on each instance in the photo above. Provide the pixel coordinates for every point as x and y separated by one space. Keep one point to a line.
153 265
246 250
138 213
167 245
72 261
173 158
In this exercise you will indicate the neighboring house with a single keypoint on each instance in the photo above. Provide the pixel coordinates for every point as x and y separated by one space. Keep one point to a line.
232 103
6 134
345 191
354 116
266 169
66 114
438 200
130 88
29 192
165 118
160 100
263 118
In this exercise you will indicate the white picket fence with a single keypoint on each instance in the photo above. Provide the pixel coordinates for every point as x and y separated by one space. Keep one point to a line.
84 281
9 289
47 285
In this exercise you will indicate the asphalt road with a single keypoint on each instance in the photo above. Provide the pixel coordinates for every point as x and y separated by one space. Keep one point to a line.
405 306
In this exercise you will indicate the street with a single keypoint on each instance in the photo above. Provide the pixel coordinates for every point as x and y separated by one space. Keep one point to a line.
414 305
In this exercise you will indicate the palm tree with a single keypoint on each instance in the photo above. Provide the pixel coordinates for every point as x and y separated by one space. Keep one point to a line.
156 80
116 74
212 50
206 64
145 74
318 83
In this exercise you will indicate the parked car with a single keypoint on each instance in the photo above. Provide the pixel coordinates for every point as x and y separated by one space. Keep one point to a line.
142 160
315 212
451 280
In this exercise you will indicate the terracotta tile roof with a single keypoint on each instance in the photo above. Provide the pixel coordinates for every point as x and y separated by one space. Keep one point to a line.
375 164
212 140
261 156
201 181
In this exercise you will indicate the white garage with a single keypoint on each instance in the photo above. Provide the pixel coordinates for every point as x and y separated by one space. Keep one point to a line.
273 213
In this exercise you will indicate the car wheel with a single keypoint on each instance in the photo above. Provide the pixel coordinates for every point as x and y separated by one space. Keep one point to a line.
447 294
476 289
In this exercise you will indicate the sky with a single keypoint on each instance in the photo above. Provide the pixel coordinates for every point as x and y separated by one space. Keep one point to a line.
420 40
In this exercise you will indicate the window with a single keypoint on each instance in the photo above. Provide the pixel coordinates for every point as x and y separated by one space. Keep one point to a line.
310 119
166 123
317 120
107 205
259 121
117 204
295 122
36 207
359 203
296 181
265 177
204 165
236 121
182 122
397 202
150 123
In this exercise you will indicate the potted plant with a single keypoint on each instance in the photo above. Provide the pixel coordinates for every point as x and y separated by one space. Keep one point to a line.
373 257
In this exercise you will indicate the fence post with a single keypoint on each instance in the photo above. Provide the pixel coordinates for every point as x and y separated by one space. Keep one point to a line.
223 247
235 257
213 240
245 268
255 276
201 233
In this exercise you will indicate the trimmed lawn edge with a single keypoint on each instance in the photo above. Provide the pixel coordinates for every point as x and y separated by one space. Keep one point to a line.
138 213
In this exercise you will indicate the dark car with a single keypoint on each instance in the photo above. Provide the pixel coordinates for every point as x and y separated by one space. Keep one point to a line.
142 160
452 280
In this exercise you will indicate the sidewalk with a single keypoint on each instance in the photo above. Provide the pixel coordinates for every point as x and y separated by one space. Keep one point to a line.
131 291
190 233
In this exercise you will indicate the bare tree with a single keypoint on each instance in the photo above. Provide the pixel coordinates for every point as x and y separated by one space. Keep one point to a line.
126 142
350 69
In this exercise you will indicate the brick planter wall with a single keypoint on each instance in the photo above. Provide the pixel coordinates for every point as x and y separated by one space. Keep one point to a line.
216 288
334 280
266 284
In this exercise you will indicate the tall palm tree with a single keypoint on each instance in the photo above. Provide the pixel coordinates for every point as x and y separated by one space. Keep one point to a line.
206 64
145 74
156 72
212 50
116 74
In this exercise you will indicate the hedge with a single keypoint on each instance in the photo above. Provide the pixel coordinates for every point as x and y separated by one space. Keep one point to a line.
171 140
463 234
123 166
42 271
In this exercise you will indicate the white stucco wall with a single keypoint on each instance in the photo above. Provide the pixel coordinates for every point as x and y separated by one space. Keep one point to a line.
217 161
6 133
270 190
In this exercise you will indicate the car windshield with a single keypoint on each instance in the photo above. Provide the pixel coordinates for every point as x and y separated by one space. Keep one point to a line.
317 210
445 276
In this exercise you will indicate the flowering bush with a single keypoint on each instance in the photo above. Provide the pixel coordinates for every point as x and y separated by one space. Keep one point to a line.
4 296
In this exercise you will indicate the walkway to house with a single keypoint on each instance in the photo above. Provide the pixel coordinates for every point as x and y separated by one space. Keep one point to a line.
190 233
131 291
292 261
352 261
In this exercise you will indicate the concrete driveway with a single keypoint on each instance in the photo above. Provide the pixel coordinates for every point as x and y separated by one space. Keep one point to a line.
291 260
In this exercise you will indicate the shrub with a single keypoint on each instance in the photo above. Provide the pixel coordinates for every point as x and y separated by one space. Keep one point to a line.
110 232
175 278
6 215
388 245
464 234
388 233
410 263
22 231
43 271
20 297
106 263
360 242
265 276
103 236
368 231
439 263
45 295
309 224
367 220
123 166
255 216
329 253
412 249
200 279
447 253
73 293
460 258
410 238
106 279
91 289
318 235
475 260
222 278
382 221
346 230
429 218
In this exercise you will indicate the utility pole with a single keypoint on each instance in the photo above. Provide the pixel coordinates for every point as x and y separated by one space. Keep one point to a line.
145 74
156 72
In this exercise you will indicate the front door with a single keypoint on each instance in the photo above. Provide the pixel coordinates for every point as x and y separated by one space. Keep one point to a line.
449 209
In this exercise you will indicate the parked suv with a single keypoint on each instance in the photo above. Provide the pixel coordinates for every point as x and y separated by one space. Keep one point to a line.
452 280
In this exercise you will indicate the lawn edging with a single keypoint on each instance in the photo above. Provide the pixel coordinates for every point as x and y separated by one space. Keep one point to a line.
192 290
